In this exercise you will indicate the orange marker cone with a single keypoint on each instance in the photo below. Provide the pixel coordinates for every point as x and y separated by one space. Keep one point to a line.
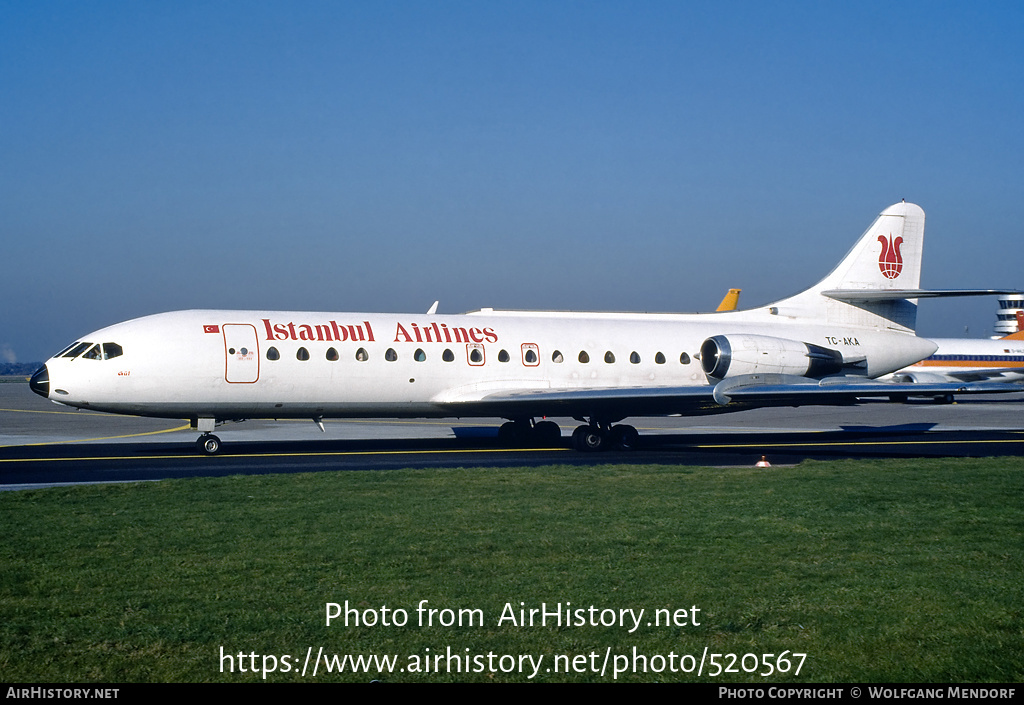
762 463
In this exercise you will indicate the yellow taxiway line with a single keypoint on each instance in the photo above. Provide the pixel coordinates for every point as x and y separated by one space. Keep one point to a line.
101 438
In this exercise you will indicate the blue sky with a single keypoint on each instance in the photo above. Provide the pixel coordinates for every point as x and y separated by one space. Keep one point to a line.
376 156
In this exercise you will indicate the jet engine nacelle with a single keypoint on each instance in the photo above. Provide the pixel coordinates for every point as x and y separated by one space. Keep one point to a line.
724 356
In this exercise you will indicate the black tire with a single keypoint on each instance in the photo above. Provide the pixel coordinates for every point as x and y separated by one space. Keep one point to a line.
589 439
547 433
208 444
625 437
508 433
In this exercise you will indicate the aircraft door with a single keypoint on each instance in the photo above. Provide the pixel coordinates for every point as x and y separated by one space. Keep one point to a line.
241 353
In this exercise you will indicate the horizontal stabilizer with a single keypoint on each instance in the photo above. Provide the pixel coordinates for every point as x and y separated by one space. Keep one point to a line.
853 295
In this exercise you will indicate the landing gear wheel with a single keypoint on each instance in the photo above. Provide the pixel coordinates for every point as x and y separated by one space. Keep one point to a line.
625 437
508 433
589 439
524 433
547 433
208 444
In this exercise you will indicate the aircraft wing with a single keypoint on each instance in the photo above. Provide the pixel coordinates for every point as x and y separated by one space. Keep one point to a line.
733 394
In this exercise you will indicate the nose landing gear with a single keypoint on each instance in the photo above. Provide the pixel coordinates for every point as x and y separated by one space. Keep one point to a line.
208 444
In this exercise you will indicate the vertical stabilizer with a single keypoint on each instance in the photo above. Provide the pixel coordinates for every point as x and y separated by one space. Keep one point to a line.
886 257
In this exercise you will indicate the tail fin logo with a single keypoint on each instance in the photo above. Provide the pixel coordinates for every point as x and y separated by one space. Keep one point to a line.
890 261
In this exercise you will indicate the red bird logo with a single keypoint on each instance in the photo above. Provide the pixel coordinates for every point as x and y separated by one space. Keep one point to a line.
890 261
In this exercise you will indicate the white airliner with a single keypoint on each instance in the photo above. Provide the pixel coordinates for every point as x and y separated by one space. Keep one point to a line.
966 360
822 346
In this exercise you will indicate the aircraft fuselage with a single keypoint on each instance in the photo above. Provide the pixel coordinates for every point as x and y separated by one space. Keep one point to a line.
263 364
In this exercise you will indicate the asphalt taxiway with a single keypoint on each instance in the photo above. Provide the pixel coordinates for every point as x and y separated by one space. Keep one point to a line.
42 443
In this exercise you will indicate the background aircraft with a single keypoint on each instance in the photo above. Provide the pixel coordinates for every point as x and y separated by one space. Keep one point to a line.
731 301
963 359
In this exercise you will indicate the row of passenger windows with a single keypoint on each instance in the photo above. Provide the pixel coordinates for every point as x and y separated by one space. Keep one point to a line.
530 356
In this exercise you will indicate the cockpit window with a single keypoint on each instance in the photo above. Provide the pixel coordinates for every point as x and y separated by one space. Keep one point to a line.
95 352
78 350
66 349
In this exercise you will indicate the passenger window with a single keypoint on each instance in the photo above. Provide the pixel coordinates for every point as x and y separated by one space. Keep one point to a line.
391 355
112 350
608 357
273 354
362 355
556 356
684 359
448 356
503 356
332 355
634 357
531 354
584 358
419 356
94 353
302 354
476 353
659 359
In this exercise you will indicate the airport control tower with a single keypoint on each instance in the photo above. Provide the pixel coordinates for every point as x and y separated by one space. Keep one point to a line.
1006 316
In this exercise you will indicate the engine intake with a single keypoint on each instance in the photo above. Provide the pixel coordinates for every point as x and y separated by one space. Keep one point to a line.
723 356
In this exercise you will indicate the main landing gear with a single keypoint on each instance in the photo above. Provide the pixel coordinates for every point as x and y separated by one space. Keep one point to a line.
590 437
593 437
526 432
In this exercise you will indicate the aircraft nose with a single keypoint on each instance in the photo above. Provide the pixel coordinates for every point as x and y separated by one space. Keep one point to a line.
40 382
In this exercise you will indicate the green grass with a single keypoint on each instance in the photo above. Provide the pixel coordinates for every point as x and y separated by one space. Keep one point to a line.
878 571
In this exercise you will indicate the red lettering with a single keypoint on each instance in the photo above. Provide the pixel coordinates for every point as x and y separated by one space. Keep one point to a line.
475 335
326 331
461 336
400 331
491 336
